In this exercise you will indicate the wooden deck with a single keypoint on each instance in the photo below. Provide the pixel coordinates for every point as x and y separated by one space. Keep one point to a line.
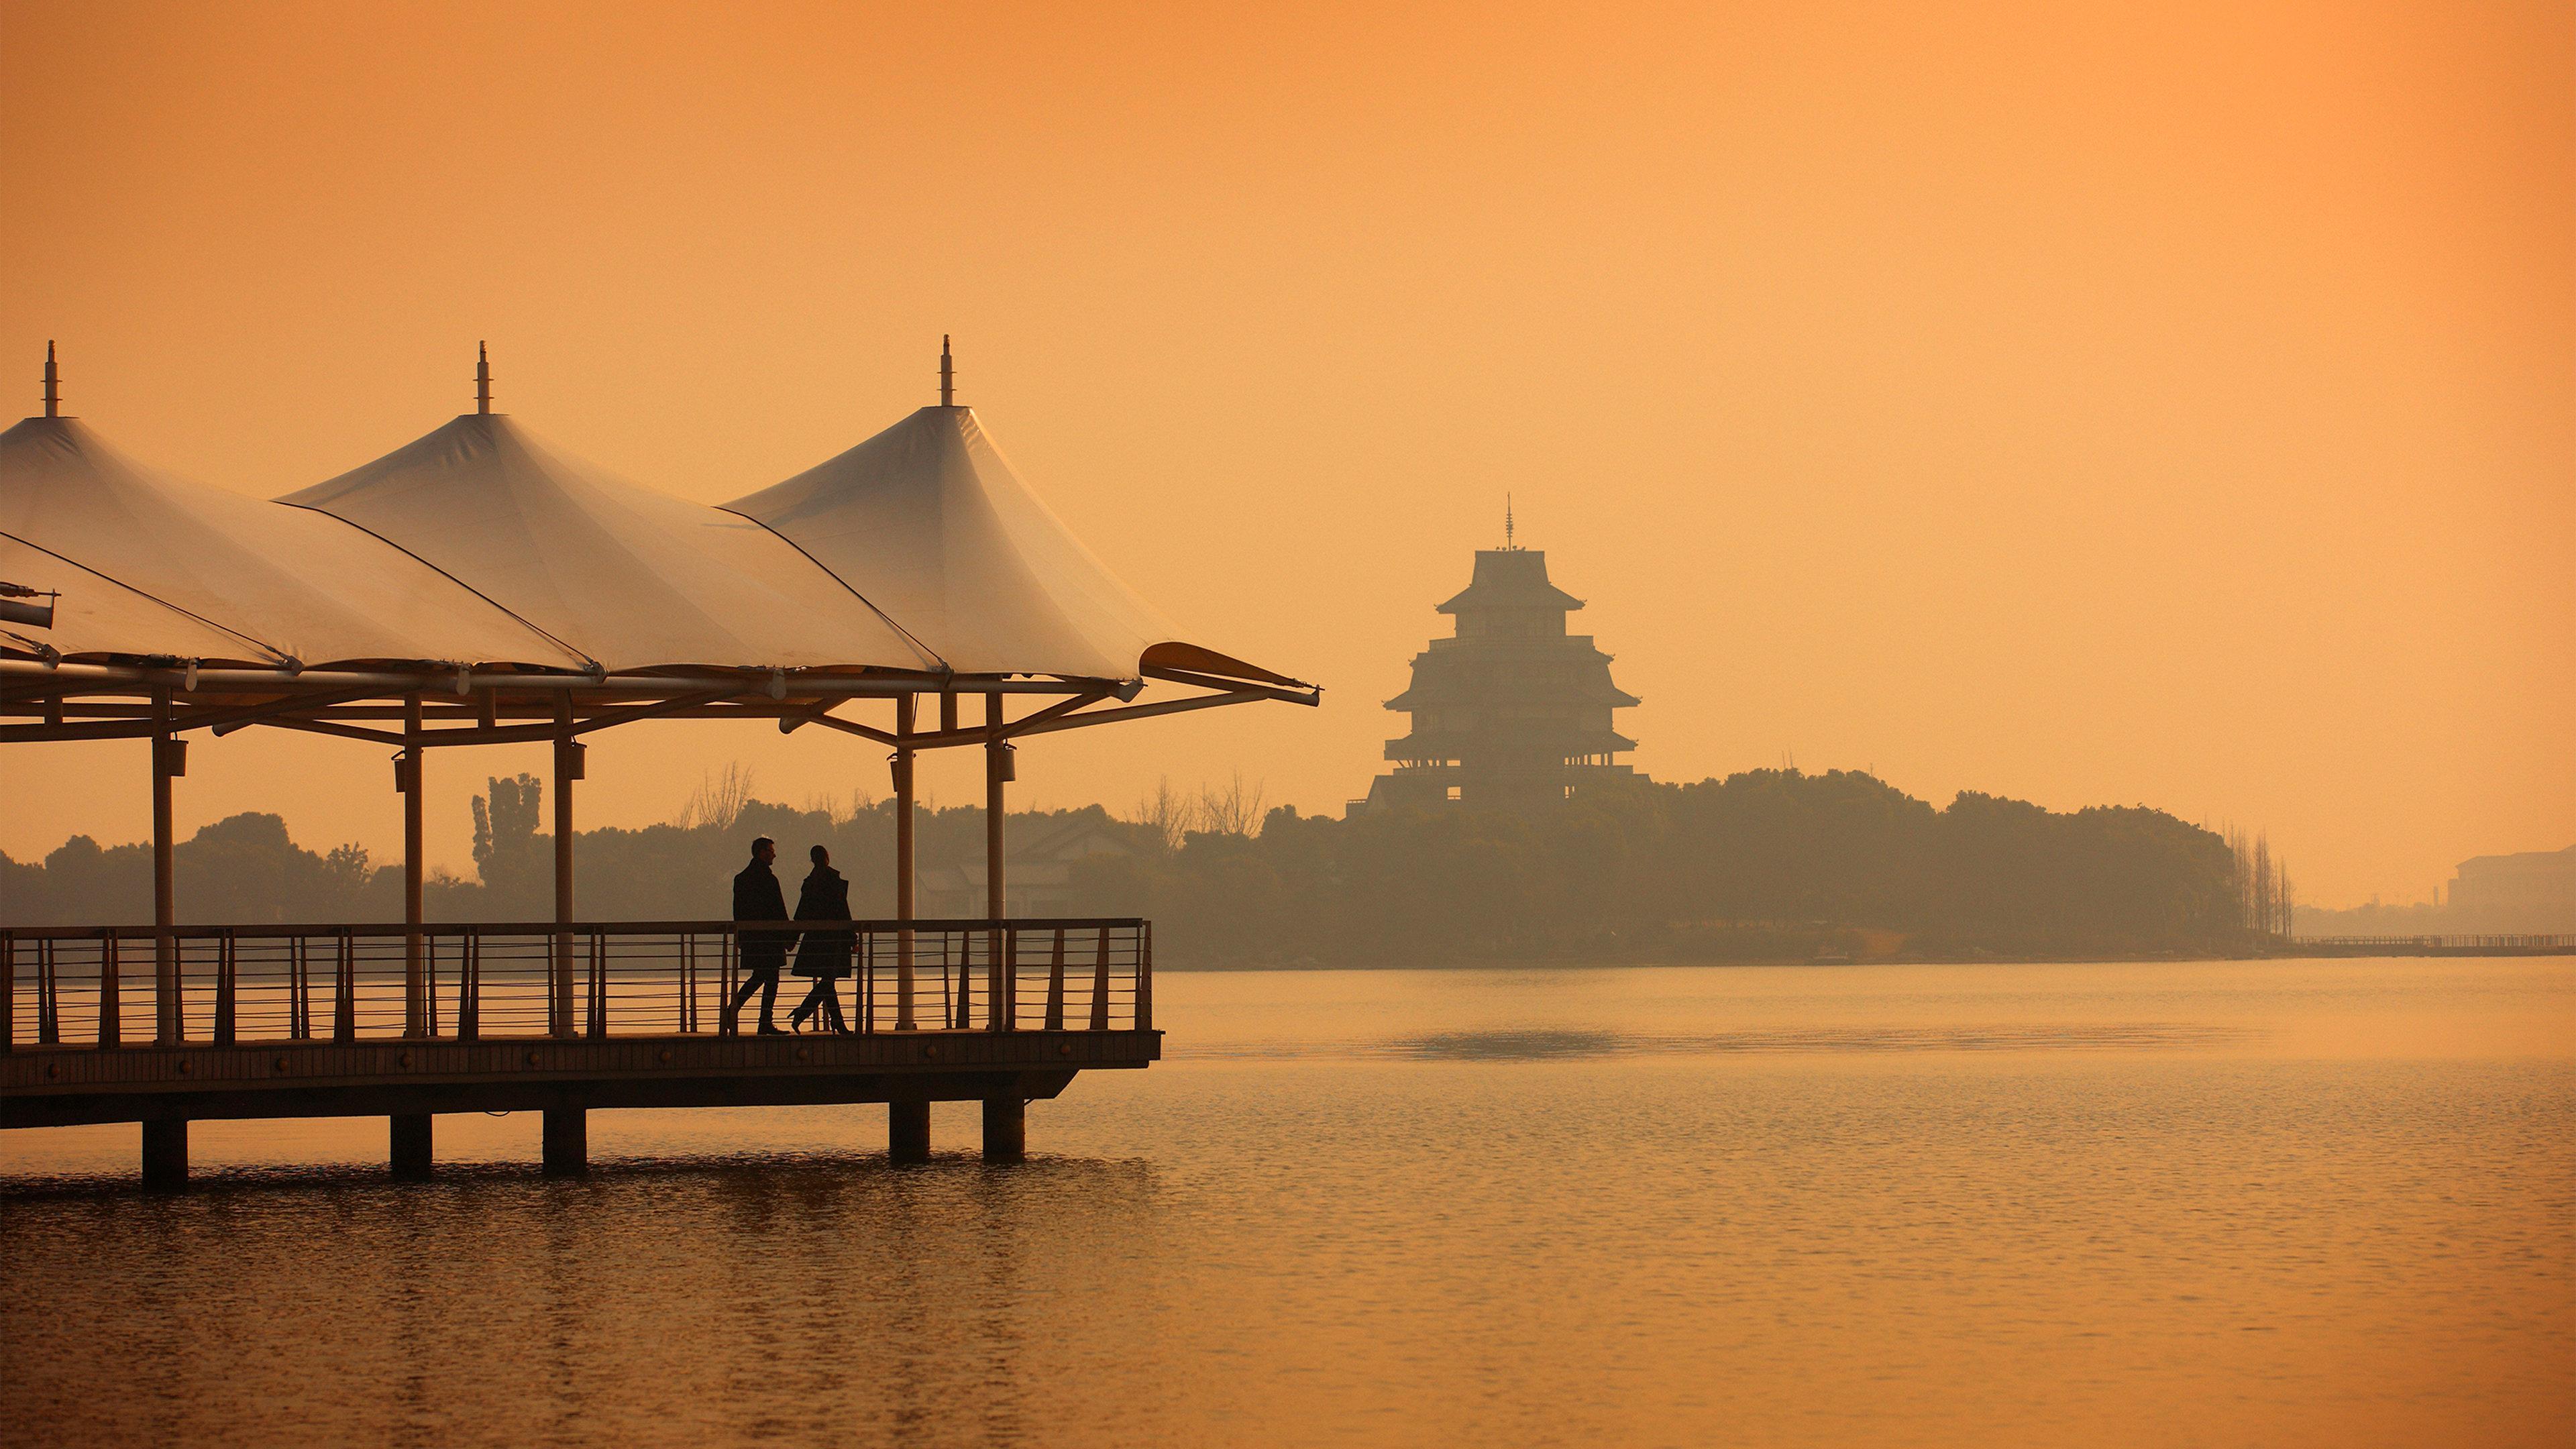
66 1085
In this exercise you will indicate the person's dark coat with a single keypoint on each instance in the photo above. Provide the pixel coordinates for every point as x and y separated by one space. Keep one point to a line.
826 897
756 897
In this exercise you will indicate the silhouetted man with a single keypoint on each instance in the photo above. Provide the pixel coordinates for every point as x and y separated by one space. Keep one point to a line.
756 897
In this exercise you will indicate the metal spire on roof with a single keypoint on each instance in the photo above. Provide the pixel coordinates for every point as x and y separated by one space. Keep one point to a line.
53 384
947 375
482 380
1507 521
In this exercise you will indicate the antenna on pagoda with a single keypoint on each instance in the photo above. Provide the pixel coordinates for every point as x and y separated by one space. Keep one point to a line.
482 380
947 375
1507 521
53 384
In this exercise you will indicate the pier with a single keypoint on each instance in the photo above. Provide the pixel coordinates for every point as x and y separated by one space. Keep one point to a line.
328 1021
478 587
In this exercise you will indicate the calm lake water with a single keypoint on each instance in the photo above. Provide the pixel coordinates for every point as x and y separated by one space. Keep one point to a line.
2247 1203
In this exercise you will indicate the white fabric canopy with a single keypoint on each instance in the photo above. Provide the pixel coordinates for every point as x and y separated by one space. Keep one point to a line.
480 546
628 577
98 618
929 522
149 564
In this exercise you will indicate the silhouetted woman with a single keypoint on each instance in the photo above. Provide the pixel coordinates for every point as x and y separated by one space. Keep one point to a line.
823 955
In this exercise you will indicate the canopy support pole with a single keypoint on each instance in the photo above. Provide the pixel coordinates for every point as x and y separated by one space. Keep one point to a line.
997 984
567 770
166 763
904 709
408 778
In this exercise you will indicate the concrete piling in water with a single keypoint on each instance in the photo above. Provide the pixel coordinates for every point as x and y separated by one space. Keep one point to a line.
165 1154
567 1142
1006 1129
907 1131
410 1146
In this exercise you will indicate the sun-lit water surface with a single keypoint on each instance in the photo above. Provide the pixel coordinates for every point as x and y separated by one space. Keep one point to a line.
2183 1203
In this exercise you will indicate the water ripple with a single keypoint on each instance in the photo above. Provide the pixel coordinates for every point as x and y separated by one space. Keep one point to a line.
1545 1044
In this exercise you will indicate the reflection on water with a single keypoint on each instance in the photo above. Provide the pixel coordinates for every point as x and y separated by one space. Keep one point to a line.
2288 1202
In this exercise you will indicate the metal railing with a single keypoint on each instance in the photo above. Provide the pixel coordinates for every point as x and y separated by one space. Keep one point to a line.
100 985
2442 943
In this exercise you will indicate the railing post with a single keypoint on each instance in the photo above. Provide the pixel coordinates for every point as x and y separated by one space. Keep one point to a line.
1006 999
8 992
227 987
111 1013
1055 985
727 969
688 981
344 990
49 995
1100 979
865 969
1145 977
469 987
947 989
598 1014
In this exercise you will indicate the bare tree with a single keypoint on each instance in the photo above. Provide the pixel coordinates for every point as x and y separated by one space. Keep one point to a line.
1173 816
2265 900
718 801
1167 812
1234 810
840 812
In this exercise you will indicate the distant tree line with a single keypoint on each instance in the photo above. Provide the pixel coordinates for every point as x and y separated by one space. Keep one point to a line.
1765 865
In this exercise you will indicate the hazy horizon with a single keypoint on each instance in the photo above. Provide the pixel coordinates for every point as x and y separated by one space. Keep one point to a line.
2173 411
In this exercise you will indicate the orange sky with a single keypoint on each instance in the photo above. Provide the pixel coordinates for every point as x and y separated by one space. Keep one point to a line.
2171 407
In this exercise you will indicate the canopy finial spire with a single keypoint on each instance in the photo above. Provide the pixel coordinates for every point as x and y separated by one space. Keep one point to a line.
53 384
1507 520
482 380
947 375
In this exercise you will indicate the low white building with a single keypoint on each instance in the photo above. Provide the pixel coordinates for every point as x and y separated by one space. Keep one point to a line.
2533 891
1037 873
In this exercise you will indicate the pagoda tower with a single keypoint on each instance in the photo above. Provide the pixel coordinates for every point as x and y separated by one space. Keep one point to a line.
1512 712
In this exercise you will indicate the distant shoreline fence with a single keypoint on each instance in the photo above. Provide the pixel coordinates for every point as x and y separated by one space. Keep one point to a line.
343 983
2501 945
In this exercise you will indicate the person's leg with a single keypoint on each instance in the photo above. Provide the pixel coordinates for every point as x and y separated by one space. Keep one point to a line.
830 986
805 1008
733 1009
768 998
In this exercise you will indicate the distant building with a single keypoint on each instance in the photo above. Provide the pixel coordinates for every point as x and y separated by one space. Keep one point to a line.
1512 712
1037 871
2534 891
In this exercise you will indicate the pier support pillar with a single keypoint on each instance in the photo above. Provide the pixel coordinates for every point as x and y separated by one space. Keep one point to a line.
411 1146
904 709
165 1155
1006 1129
568 768
567 1150
908 1131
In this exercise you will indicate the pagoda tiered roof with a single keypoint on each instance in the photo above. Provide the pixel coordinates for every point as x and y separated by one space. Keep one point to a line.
1510 578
